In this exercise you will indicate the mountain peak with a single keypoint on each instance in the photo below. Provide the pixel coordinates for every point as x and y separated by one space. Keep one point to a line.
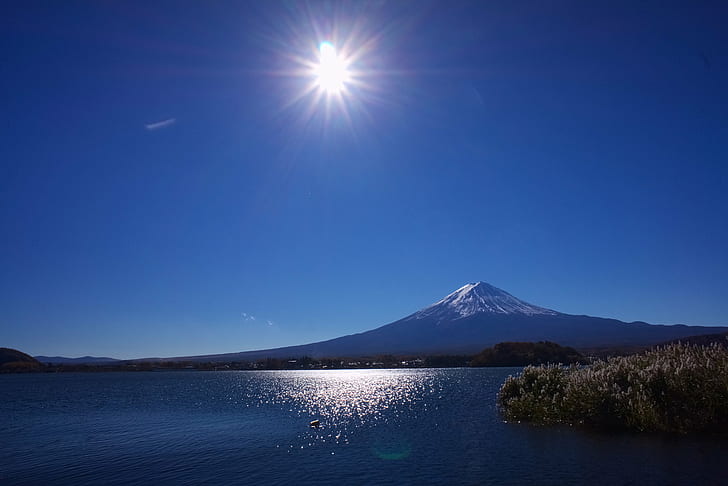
481 287
477 298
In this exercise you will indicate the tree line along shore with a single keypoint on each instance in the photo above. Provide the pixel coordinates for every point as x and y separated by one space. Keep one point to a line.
502 354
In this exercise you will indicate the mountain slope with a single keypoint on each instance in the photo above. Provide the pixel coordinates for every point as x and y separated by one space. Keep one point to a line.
473 317
82 360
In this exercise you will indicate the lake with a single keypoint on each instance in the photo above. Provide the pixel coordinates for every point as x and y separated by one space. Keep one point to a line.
414 426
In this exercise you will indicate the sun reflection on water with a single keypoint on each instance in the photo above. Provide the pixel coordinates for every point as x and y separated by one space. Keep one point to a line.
345 401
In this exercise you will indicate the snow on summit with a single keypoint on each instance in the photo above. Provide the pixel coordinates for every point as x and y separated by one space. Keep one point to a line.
480 297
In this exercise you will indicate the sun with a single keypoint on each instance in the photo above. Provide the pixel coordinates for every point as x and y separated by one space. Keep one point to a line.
334 83
332 71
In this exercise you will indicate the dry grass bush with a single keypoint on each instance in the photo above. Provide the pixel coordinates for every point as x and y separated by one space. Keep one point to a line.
676 388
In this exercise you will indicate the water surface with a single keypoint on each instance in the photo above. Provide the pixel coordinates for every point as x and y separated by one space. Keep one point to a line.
421 426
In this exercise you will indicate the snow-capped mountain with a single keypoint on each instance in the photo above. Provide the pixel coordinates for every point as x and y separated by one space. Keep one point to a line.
475 316
476 298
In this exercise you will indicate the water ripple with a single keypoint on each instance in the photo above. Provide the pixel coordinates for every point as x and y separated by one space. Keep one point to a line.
377 427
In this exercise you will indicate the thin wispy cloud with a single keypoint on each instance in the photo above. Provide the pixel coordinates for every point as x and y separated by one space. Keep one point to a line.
478 96
251 318
160 124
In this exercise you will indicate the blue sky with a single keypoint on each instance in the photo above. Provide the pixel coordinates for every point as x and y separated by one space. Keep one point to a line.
167 188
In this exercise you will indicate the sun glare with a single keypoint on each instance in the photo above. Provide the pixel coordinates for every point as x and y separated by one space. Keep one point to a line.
333 82
332 72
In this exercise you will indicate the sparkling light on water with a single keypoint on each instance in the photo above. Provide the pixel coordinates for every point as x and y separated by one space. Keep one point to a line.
346 400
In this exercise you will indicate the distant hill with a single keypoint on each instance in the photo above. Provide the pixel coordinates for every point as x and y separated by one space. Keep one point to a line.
473 317
9 355
14 360
523 354
74 361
